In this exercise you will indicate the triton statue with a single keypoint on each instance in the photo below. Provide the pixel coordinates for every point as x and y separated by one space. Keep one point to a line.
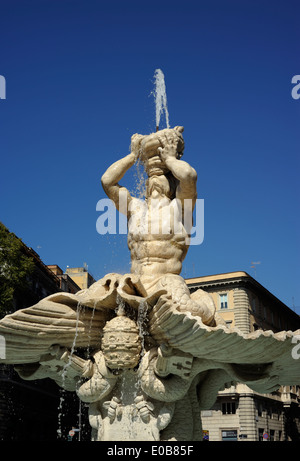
141 350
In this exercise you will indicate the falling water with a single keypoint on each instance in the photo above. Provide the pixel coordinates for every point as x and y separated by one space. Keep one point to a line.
64 371
140 177
160 97
73 345
120 305
141 319
90 329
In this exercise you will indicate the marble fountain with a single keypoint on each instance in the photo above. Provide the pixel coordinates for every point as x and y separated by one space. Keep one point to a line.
143 353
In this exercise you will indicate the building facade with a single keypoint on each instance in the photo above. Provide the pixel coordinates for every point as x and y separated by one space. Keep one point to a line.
239 413
29 410
66 283
80 276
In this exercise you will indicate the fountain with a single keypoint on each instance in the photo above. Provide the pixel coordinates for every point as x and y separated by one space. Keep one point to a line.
145 354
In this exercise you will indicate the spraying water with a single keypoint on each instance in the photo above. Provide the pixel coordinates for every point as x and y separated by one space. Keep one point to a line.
160 97
64 372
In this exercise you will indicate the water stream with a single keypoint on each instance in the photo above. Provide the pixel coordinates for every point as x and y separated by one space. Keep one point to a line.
160 97
64 372
90 330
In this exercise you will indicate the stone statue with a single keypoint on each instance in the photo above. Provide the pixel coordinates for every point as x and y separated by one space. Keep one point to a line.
141 350
157 236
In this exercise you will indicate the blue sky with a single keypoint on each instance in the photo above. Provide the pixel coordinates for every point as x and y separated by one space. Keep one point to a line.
79 78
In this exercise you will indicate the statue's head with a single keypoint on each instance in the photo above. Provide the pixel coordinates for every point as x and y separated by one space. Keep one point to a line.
121 343
147 147
162 184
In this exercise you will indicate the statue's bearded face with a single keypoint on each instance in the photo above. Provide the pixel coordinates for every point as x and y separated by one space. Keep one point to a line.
158 185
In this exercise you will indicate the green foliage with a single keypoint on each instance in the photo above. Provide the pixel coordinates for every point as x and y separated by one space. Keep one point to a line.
15 268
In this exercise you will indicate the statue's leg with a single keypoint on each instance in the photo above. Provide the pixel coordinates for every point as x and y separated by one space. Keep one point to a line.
96 422
199 304
100 384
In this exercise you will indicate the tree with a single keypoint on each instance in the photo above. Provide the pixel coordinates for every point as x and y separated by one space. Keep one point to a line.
15 268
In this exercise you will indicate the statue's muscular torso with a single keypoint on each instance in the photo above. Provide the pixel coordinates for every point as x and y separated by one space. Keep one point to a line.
156 237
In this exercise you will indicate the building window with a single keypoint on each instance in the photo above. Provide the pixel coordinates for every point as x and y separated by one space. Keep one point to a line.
260 434
229 435
260 410
265 312
253 305
228 408
223 301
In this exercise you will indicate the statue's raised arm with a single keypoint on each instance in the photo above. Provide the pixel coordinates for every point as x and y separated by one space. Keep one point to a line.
114 173
171 157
